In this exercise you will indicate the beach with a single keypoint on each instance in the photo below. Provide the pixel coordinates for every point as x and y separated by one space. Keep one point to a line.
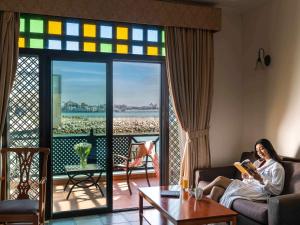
127 125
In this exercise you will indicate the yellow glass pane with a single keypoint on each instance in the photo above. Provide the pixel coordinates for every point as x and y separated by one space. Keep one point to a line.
89 30
122 33
54 27
89 46
151 50
21 42
122 49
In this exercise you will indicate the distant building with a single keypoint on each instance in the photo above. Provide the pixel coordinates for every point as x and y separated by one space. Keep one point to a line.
56 88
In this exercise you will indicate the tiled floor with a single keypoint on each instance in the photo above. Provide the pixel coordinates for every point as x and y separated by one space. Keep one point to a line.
122 218
90 197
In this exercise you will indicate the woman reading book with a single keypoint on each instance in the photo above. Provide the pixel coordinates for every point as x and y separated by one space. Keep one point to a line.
268 179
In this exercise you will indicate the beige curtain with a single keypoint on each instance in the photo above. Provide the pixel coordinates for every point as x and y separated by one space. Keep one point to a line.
189 61
9 35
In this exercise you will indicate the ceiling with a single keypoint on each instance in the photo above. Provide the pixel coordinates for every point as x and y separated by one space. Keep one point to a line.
240 5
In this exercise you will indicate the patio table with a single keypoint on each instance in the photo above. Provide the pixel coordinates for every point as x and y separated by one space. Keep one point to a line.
83 177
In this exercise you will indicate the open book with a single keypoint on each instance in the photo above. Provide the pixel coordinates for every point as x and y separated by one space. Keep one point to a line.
246 167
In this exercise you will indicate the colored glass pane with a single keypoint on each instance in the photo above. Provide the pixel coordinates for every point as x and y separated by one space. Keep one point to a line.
138 50
22 25
122 33
137 34
89 46
72 29
151 50
21 42
104 47
72 45
163 36
36 26
163 51
89 30
152 35
105 31
54 27
54 44
122 49
36 43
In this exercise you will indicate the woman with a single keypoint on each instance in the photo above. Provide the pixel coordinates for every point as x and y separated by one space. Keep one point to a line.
268 181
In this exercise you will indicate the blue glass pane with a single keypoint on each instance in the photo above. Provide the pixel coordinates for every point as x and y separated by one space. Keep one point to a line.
72 45
72 29
137 34
54 44
106 31
138 50
152 35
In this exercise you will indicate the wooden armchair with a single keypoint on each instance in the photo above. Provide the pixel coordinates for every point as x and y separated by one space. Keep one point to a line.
18 205
138 155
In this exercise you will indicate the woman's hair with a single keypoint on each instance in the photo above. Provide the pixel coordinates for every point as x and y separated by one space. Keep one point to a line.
269 147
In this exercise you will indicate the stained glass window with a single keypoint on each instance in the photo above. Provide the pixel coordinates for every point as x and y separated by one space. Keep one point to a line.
72 29
54 27
137 34
105 31
89 30
58 33
152 35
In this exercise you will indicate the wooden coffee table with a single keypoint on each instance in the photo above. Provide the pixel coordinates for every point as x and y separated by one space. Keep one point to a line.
181 211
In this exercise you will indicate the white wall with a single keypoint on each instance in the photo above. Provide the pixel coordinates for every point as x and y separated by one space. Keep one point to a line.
272 96
226 118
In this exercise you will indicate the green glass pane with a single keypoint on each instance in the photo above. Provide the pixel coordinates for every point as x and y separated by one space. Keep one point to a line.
105 47
163 51
36 26
163 36
36 43
22 25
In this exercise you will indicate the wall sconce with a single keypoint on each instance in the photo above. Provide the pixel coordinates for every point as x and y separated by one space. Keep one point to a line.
262 59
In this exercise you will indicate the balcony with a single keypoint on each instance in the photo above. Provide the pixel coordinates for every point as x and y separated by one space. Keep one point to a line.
84 198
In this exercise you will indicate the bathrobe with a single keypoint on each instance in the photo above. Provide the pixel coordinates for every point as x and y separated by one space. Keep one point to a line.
272 174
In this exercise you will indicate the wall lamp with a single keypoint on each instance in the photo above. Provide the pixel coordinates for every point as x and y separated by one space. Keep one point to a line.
263 60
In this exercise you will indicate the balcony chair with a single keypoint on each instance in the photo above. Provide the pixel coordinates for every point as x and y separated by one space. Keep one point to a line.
25 201
137 158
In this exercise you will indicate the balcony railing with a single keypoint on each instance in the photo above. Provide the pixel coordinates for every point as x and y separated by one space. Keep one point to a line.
64 154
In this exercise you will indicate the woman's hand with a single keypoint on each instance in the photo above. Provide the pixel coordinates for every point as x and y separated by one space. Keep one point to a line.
245 176
256 176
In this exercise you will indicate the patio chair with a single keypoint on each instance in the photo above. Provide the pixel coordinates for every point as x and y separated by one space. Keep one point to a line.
27 185
137 158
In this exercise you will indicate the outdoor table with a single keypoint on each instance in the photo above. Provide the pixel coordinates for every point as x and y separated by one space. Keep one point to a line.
83 177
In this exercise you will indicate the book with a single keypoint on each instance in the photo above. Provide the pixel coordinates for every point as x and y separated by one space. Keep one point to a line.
168 193
246 166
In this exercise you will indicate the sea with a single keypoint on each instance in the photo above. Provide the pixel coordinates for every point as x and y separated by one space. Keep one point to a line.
126 114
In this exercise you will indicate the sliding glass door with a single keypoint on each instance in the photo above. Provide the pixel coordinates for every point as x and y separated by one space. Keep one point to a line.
79 136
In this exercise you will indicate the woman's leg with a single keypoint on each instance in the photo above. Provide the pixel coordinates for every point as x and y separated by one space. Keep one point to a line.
216 193
220 181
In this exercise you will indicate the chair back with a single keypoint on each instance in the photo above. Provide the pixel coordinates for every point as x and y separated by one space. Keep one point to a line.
21 172
137 151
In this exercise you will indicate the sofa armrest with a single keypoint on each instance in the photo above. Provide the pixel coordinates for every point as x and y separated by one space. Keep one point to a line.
284 209
209 174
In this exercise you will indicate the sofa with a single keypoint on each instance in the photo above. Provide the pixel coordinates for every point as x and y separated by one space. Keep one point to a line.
277 210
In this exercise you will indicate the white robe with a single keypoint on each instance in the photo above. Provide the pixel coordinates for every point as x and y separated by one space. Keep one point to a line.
272 173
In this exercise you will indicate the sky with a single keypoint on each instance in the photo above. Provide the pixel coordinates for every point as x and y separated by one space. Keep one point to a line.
134 84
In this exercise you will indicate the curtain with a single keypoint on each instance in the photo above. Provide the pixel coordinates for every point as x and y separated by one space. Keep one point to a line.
189 61
9 51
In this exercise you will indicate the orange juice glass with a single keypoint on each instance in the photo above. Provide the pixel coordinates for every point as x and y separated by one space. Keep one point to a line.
185 183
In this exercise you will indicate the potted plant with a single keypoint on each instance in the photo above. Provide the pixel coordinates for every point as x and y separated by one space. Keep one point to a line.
83 149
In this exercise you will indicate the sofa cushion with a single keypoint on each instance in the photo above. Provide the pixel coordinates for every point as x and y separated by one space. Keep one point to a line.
292 174
257 211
